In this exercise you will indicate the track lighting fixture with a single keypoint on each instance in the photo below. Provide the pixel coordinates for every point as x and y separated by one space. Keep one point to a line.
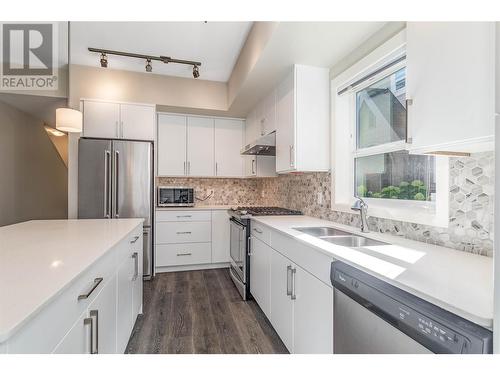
149 68
196 71
104 60
148 58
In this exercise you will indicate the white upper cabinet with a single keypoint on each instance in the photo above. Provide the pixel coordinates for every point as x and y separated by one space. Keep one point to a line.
268 113
200 146
260 166
171 145
252 129
118 120
302 120
101 120
228 143
450 82
137 122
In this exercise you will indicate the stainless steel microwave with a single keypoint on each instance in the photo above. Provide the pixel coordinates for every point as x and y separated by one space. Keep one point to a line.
175 196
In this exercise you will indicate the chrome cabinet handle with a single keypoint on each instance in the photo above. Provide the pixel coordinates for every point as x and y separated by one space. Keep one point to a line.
183 254
257 230
135 257
90 321
216 169
294 272
135 239
117 131
288 280
188 168
185 169
253 166
409 102
121 129
179 216
249 246
183 232
291 156
107 158
95 314
97 281
117 155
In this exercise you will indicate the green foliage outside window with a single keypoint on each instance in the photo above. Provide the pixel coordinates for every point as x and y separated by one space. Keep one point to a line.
415 190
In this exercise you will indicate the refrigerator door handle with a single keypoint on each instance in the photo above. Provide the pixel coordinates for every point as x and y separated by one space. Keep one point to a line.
116 178
107 159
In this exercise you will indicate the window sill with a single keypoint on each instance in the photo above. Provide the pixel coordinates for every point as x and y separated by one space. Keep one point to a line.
408 211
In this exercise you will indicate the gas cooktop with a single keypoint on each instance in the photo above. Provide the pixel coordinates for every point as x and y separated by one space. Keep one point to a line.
264 211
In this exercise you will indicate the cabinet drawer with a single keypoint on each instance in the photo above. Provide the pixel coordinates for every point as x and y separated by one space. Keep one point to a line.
181 254
183 232
183 215
310 259
132 244
261 232
42 333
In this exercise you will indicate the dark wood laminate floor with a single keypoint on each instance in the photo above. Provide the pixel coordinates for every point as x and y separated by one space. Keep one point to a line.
200 312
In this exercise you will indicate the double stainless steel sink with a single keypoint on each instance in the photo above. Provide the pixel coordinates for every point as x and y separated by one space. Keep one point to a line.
339 237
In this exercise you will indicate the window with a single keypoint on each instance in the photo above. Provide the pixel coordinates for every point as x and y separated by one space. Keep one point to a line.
383 169
370 152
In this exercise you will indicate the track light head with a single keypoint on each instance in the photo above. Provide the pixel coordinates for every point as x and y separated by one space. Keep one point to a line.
196 71
104 60
149 68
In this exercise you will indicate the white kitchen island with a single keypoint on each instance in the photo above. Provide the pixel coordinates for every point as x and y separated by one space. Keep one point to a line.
69 286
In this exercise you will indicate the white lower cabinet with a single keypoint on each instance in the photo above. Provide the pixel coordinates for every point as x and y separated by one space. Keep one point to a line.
281 301
77 340
220 236
298 304
312 315
260 275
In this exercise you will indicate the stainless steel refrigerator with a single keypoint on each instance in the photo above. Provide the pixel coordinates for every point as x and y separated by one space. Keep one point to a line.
115 180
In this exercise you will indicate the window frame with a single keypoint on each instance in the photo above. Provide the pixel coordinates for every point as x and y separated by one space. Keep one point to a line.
344 125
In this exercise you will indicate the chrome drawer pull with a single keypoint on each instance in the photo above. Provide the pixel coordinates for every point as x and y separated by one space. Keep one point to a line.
183 232
90 321
294 271
257 230
183 254
179 216
135 239
97 281
288 281
95 313
135 256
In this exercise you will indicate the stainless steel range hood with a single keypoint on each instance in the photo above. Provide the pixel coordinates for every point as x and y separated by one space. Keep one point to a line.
265 145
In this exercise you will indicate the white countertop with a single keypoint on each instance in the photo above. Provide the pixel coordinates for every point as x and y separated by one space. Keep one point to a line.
195 208
459 282
38 259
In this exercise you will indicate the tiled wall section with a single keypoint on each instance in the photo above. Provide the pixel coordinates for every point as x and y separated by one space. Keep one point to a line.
471 202
471 205
227 191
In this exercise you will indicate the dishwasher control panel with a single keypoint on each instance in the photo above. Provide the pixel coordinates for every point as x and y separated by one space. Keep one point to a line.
438 330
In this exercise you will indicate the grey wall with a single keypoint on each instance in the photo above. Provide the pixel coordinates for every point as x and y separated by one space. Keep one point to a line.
33 178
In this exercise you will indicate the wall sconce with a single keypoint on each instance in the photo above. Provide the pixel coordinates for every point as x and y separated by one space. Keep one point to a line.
69 120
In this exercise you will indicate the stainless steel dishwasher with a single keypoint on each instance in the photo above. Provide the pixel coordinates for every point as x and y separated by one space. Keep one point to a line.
374 317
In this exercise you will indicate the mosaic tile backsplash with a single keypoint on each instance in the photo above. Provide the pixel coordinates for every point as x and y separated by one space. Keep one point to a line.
471 202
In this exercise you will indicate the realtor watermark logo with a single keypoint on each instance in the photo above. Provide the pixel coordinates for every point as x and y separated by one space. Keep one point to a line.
29 56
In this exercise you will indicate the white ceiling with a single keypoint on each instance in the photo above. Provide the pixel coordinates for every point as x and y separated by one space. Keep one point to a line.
216 44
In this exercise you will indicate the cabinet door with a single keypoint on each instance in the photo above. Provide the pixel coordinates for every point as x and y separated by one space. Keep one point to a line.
266 166
220 236
285 125
313 314
281 302
260 274
450 70
269 119
228 144
125 318
77 340
101 120
250 165
171 145
103 312
200 146
252 130
137 122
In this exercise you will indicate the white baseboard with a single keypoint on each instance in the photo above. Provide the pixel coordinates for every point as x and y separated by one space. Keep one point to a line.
191 267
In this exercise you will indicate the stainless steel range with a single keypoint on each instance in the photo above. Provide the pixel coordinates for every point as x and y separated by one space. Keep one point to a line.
240 242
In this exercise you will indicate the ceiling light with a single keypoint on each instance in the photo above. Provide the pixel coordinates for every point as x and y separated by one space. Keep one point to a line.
149 68
69 120
104 60
196 71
